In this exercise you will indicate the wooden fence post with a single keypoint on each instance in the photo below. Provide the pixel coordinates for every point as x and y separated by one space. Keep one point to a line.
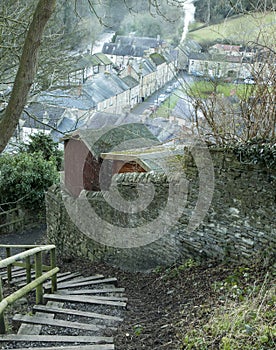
2 318
9 268
38 273
28 269
53 265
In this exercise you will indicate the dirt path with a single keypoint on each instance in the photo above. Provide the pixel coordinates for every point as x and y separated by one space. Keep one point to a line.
29 236
158 301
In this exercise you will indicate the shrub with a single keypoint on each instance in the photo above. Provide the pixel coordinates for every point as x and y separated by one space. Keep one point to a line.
26 177
44 143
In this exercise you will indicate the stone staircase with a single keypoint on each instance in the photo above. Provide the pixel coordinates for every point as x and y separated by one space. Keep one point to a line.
82 315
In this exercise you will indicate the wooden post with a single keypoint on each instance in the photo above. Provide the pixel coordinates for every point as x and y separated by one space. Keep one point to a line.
2 318
53 265
28 268
9 267
38 273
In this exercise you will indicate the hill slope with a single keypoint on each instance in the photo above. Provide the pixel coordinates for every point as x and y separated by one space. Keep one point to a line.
259 27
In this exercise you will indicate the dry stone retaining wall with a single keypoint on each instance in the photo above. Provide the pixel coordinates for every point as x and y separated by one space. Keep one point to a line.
239 225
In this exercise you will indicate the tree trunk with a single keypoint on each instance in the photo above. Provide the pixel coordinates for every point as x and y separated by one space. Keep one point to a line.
26 71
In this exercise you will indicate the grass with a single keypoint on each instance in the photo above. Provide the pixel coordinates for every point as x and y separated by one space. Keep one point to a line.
203 89
240 29
167 106
245 317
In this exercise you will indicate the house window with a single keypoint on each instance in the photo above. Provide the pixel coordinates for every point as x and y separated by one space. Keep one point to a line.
232 74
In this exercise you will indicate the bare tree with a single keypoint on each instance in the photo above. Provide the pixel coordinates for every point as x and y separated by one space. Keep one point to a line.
248 110
26 71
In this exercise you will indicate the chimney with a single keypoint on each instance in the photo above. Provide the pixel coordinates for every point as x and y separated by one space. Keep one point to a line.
45 118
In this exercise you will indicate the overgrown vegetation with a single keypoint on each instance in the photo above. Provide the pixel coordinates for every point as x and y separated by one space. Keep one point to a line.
26 175
256 151
226 113
46 146
244 317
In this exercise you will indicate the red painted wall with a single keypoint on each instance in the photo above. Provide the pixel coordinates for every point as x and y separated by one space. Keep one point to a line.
120 166
80 167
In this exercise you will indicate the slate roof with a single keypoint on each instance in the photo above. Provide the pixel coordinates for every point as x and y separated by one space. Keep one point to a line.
131 46
126 50
41 112
153 158
84 61
103 119
103 58
145 42
65 126
144 66
192 45
189 47
171 55
103 86
100 87
130 81
88 60
109 138
199 56
216 57
161 128
69 98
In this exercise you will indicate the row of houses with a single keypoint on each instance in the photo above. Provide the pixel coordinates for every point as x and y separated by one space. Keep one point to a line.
99 83
231 62
127 72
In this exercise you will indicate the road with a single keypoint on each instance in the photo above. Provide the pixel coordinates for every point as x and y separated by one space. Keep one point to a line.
183 111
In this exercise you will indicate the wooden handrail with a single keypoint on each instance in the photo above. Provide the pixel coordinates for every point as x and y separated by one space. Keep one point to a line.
26 289
40 277
19 245
12 259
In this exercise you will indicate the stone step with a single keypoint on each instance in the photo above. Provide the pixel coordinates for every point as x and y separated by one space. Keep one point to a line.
92 291
83 299
33 338
46 308
98 297
27 328
43 320
16 272
60 277
78 347
87 283
82 279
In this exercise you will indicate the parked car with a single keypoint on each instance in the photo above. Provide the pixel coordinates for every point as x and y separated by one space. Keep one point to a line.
169 89
249 80
156 102
196 73
162 98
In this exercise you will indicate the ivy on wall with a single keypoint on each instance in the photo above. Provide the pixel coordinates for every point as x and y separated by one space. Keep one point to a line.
256 151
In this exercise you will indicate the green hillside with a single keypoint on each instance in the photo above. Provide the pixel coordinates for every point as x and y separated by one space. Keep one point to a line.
257 27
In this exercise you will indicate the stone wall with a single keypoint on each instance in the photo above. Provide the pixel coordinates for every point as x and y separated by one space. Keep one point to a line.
239 225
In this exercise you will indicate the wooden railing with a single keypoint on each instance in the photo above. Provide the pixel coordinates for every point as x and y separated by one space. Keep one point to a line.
30 258
11 219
